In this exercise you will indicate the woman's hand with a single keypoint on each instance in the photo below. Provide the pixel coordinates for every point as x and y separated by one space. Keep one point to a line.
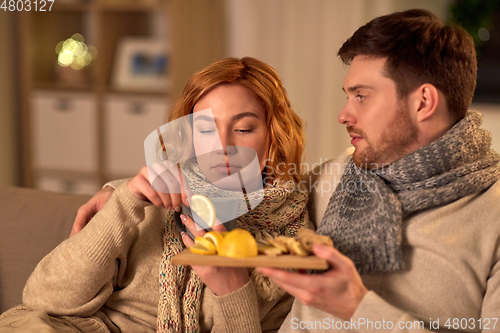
87 211
165 190
220 280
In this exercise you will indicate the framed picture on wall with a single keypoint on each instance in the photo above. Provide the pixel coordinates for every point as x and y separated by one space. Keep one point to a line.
142 64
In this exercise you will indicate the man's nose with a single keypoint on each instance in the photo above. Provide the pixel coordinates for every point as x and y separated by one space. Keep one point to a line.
346 116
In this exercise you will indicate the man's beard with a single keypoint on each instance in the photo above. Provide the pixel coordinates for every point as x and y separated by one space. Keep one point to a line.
395 142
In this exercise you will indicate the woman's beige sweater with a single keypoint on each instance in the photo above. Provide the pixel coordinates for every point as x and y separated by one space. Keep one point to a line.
109 273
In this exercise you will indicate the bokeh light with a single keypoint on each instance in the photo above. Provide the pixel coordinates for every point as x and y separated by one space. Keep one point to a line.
74 53
484 34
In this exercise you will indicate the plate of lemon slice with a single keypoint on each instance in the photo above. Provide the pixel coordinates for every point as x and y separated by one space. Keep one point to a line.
239 248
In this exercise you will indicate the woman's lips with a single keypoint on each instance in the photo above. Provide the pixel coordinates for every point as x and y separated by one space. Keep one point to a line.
226 168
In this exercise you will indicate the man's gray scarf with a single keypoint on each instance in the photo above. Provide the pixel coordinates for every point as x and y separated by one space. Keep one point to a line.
364 215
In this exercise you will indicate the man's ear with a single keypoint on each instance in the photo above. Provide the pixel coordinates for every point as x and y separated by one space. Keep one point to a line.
426 100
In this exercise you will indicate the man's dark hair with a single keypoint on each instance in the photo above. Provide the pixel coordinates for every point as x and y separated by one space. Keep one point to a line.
420 49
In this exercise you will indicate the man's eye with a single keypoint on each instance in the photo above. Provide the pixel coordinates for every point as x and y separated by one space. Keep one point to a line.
360 97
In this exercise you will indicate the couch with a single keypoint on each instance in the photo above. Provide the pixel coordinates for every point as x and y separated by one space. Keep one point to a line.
32 223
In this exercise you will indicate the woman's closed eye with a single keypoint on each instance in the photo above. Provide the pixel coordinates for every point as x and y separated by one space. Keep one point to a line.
250 130
207 131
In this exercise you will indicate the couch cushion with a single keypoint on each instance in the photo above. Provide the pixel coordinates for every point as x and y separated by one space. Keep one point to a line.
32 223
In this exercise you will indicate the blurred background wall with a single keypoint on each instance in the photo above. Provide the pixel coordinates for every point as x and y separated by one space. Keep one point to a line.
9 129
299 38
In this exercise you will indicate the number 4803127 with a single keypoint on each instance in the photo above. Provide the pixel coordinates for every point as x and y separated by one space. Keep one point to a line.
26 5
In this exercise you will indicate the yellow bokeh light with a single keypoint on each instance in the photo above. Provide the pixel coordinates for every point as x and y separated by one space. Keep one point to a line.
88 59
83 50
78 37
80 61
76 65
93 51
75 53
73 46
59 47
65 58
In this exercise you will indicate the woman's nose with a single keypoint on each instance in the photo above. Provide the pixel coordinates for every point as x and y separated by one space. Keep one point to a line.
227 143
230 150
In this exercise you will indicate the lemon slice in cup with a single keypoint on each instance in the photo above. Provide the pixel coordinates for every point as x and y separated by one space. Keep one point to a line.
204 208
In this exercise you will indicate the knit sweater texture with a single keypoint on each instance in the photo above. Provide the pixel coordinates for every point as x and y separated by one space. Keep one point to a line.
105 279
451 279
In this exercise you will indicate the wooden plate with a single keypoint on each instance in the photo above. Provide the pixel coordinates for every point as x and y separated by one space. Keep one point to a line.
284 261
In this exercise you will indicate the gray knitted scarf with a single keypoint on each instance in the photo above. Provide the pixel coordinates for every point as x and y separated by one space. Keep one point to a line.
364 215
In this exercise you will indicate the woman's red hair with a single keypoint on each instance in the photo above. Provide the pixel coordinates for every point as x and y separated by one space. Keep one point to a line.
286 134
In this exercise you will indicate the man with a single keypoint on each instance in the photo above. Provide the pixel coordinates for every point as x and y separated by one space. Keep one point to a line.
414 217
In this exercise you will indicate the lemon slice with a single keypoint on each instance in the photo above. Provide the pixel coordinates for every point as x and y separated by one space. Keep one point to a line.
206 243
238 243
215 237
204 208
200 249
203 246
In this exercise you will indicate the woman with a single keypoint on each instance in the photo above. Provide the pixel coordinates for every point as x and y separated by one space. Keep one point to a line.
106 276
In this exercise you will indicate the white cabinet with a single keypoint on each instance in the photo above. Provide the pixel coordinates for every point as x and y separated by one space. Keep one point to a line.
128 121
64 132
